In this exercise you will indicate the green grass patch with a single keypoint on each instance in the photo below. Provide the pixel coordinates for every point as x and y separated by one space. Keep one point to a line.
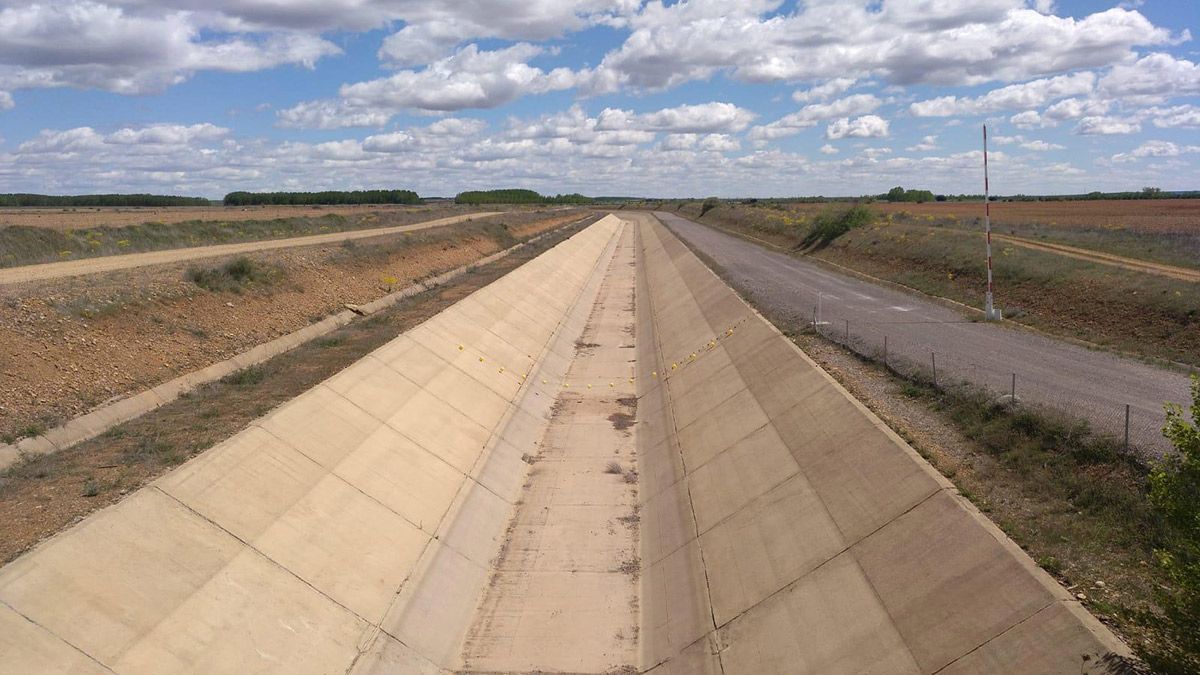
247 377
834 222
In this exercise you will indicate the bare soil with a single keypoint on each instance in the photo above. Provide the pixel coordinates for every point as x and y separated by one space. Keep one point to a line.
86 217
42 496
67 345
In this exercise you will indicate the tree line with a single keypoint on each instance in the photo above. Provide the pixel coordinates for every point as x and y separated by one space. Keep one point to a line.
516 196
21 199
324 198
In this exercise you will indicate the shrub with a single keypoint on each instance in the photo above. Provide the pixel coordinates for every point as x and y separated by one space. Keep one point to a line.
233 275
1175 496
833 223
708 205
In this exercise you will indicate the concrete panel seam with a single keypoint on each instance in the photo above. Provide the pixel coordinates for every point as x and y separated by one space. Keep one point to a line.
668 409
57 636
997 636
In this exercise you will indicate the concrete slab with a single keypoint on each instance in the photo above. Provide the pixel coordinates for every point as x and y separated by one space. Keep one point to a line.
778 538
26 647
143 558
244 484
403 476
828 622
947 583
336 528
252 616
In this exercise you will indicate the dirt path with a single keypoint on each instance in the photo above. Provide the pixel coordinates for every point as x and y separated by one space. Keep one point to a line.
73 268
564 594
1105 258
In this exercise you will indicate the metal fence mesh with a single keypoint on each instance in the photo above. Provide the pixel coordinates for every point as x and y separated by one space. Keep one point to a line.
1139 428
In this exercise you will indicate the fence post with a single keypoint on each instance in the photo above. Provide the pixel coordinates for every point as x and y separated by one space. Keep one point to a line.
1126 427
1013 393
885 365
814 318
847 331
933 360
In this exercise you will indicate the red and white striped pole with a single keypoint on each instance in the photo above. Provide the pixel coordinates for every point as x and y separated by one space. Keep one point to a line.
990 313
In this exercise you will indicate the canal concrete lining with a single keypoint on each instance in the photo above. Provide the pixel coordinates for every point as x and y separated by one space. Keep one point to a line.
352 528
785 528
442 506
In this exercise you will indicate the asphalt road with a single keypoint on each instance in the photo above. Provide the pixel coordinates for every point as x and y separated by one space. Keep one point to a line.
1092 384
74 268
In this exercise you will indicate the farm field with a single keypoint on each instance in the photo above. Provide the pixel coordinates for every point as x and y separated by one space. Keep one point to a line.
85 217
935 249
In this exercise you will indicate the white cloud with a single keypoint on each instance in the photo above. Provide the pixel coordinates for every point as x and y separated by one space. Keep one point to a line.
1027 95
1030 119
907 42
824 91
1181 117
1103 126
1028 144
469 78
167 134
927 144
6 101
1156 149
867 126
1041 146
1074 108
704 142
1152 79
80 43
810 115
326 114
701 118
828 149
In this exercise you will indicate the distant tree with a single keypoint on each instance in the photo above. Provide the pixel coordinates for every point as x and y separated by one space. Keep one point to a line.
11 200
896 194
708 205
1151 192
329 197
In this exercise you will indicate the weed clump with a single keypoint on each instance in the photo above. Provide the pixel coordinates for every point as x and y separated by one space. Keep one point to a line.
833 223
246 377
234 275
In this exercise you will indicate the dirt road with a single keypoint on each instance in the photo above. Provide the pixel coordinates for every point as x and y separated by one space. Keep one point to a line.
1105 258
72 268
1093 384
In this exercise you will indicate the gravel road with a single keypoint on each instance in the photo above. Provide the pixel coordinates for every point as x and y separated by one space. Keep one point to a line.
73 268
1093 384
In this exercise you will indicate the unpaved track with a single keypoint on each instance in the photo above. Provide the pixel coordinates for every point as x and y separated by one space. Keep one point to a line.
1094 384
74 268
1105 258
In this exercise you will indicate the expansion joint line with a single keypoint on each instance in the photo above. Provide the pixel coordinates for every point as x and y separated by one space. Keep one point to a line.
670 410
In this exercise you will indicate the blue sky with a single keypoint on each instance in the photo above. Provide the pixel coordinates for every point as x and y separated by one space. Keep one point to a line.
748 98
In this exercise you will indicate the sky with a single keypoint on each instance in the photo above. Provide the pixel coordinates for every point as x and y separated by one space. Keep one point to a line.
734 98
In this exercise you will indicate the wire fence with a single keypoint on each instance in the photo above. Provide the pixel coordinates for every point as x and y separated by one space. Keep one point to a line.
890 341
